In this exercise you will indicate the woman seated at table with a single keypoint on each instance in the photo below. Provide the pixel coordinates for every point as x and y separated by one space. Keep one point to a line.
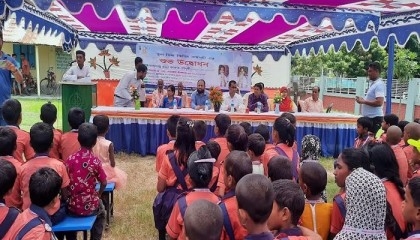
286 104
168 101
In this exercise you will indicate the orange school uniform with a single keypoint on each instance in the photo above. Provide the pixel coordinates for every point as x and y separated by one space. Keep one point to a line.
231 205
198 144
337 220
402 161
14 201
266 156
42 231
31 167
166 172
175 226
68 144
161 153
23 151
54 151
394 199
4 211
224 151
317 217
271 152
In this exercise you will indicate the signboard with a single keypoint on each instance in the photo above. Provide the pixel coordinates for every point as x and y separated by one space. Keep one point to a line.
188 65
62 59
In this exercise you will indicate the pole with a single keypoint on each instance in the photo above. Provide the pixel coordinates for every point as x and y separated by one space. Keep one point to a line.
391 47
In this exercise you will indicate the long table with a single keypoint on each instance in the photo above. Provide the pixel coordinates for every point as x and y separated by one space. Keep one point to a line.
142 131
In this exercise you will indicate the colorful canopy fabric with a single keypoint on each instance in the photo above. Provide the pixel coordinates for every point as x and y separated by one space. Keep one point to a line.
289 23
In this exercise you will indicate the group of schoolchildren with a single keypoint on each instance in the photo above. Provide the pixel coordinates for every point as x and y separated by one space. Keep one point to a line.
46 175
250 185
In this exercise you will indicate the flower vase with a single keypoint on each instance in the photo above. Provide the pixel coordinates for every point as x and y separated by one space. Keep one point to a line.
107 74
277 108
217 107
136 104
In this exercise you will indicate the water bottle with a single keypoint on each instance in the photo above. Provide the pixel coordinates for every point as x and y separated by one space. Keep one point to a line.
259 107
206 107
232 106
175 104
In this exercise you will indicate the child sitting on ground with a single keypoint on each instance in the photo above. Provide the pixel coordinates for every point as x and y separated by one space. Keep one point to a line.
317 214
34 222
393 139
222 122
200 131
85 170
256 145
49 116
389 120
363 136
415 160
411 207
69 144
7 146
8 215
171 124
200 167
12 115
247 127
214 150
104 150
203 220
279 167
237 165
255 195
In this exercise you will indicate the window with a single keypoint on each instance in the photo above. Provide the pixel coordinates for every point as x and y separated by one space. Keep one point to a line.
28 50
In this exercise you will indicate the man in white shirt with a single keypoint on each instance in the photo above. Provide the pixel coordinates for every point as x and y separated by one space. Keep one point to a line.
158 94
122 95
79 72
231 97
313 103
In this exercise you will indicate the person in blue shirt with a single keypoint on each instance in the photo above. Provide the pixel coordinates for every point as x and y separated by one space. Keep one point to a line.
8 67
168 101
199 96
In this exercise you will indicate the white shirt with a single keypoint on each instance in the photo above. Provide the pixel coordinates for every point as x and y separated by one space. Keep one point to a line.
75 72
376 90
227 100
123 88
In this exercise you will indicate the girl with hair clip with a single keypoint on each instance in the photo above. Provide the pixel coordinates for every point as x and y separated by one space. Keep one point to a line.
349 160
385 166
200 169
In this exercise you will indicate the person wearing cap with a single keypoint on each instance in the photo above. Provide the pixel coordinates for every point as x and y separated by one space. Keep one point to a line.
286 103
415 159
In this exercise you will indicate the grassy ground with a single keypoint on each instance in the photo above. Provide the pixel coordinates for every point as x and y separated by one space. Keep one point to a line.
133 218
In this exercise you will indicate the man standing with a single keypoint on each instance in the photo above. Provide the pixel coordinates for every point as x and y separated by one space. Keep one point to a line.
122 94
199 96
231 97
142 90
374 99
81 71
313 103
8 67
158 94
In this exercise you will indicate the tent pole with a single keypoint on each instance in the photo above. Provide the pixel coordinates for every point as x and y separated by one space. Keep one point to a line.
390 74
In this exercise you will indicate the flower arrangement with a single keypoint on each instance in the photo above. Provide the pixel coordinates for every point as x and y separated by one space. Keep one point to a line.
133 92
113 60
277 98
216 95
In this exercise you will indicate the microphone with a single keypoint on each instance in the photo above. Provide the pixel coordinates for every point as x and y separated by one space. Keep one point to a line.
71 63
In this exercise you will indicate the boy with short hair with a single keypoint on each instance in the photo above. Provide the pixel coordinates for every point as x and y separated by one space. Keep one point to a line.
393 139
256 146
7 146
200 131
12 114
317 214
41 140
34 222
49 116
389 120
214 150
236 166
203 220
411 131
255 195
8 215
411 207
363 137
247 127
85 169
279 167
222 122
171 133
69 144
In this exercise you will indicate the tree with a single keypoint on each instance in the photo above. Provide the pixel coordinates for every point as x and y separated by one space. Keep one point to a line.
405 64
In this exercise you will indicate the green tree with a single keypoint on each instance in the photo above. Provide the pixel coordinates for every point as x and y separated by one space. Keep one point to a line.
405 64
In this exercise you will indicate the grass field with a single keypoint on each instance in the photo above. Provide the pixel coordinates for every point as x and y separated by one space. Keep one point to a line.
133 218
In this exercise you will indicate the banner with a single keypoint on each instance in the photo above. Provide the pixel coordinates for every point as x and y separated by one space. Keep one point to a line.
188 65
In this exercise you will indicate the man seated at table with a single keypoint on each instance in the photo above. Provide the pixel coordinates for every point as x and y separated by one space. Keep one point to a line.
158 94
231 97
199 96
182 94
258 96
79 72
313 103
122 94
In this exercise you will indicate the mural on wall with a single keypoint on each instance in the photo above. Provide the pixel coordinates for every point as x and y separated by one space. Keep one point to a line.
257 70
113 62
